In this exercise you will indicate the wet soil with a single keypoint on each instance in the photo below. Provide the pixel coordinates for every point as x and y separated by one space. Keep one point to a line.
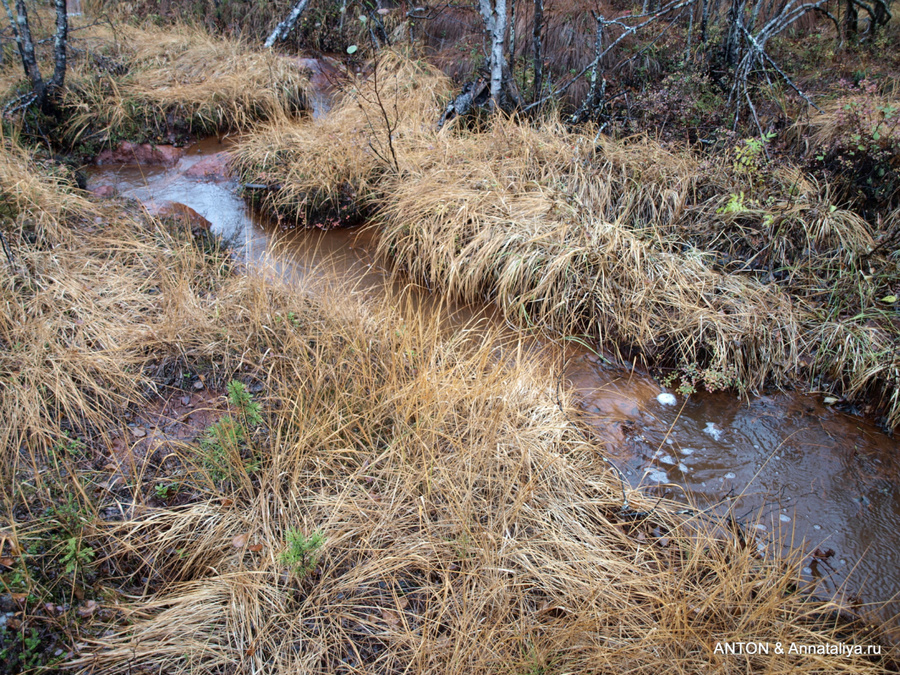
799 472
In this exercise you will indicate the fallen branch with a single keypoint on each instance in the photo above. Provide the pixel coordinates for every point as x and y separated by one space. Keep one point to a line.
473 94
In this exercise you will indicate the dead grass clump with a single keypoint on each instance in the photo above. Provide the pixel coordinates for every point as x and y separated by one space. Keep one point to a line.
448 486
57 337
529 219
36 195
162 81
451 493
328 171
755 219
864 358
755 214
83 314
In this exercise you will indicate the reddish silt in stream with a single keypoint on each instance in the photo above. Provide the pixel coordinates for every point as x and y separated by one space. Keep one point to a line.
800 472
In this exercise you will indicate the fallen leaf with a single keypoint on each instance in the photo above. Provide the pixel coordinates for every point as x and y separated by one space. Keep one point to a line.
137 431
198 385
19 598
391 618
7 562
88 609
256 548
227 502
241 540
403 603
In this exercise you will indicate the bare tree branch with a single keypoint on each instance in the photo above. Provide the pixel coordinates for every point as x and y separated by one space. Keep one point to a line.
627 30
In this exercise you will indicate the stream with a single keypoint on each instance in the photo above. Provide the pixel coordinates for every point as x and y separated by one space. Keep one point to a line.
803 473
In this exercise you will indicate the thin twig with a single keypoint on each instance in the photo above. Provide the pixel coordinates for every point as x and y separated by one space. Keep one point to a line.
628 30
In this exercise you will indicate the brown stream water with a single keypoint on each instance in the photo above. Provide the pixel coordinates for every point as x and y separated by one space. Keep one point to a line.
801 472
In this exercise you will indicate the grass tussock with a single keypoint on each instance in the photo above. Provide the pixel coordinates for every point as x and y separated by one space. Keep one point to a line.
79 323
36 195
520 222
330 172
856 139
734 264
371 490
449 493
161 83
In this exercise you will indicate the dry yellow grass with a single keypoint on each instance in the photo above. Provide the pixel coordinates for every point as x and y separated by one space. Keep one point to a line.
137 82
721 262
521 216
341 160
468 525
37 196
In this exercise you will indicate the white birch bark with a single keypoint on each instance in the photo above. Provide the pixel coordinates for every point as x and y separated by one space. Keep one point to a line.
494 14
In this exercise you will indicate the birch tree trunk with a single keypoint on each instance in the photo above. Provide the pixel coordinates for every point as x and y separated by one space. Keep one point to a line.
26 50
60 42
494 14
283 29
43 92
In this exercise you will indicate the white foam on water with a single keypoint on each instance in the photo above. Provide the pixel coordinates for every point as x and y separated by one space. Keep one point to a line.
666 398
657 476
713 430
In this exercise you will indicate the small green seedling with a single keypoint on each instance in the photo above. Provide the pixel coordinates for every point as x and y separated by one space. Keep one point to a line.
165 491
302 552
